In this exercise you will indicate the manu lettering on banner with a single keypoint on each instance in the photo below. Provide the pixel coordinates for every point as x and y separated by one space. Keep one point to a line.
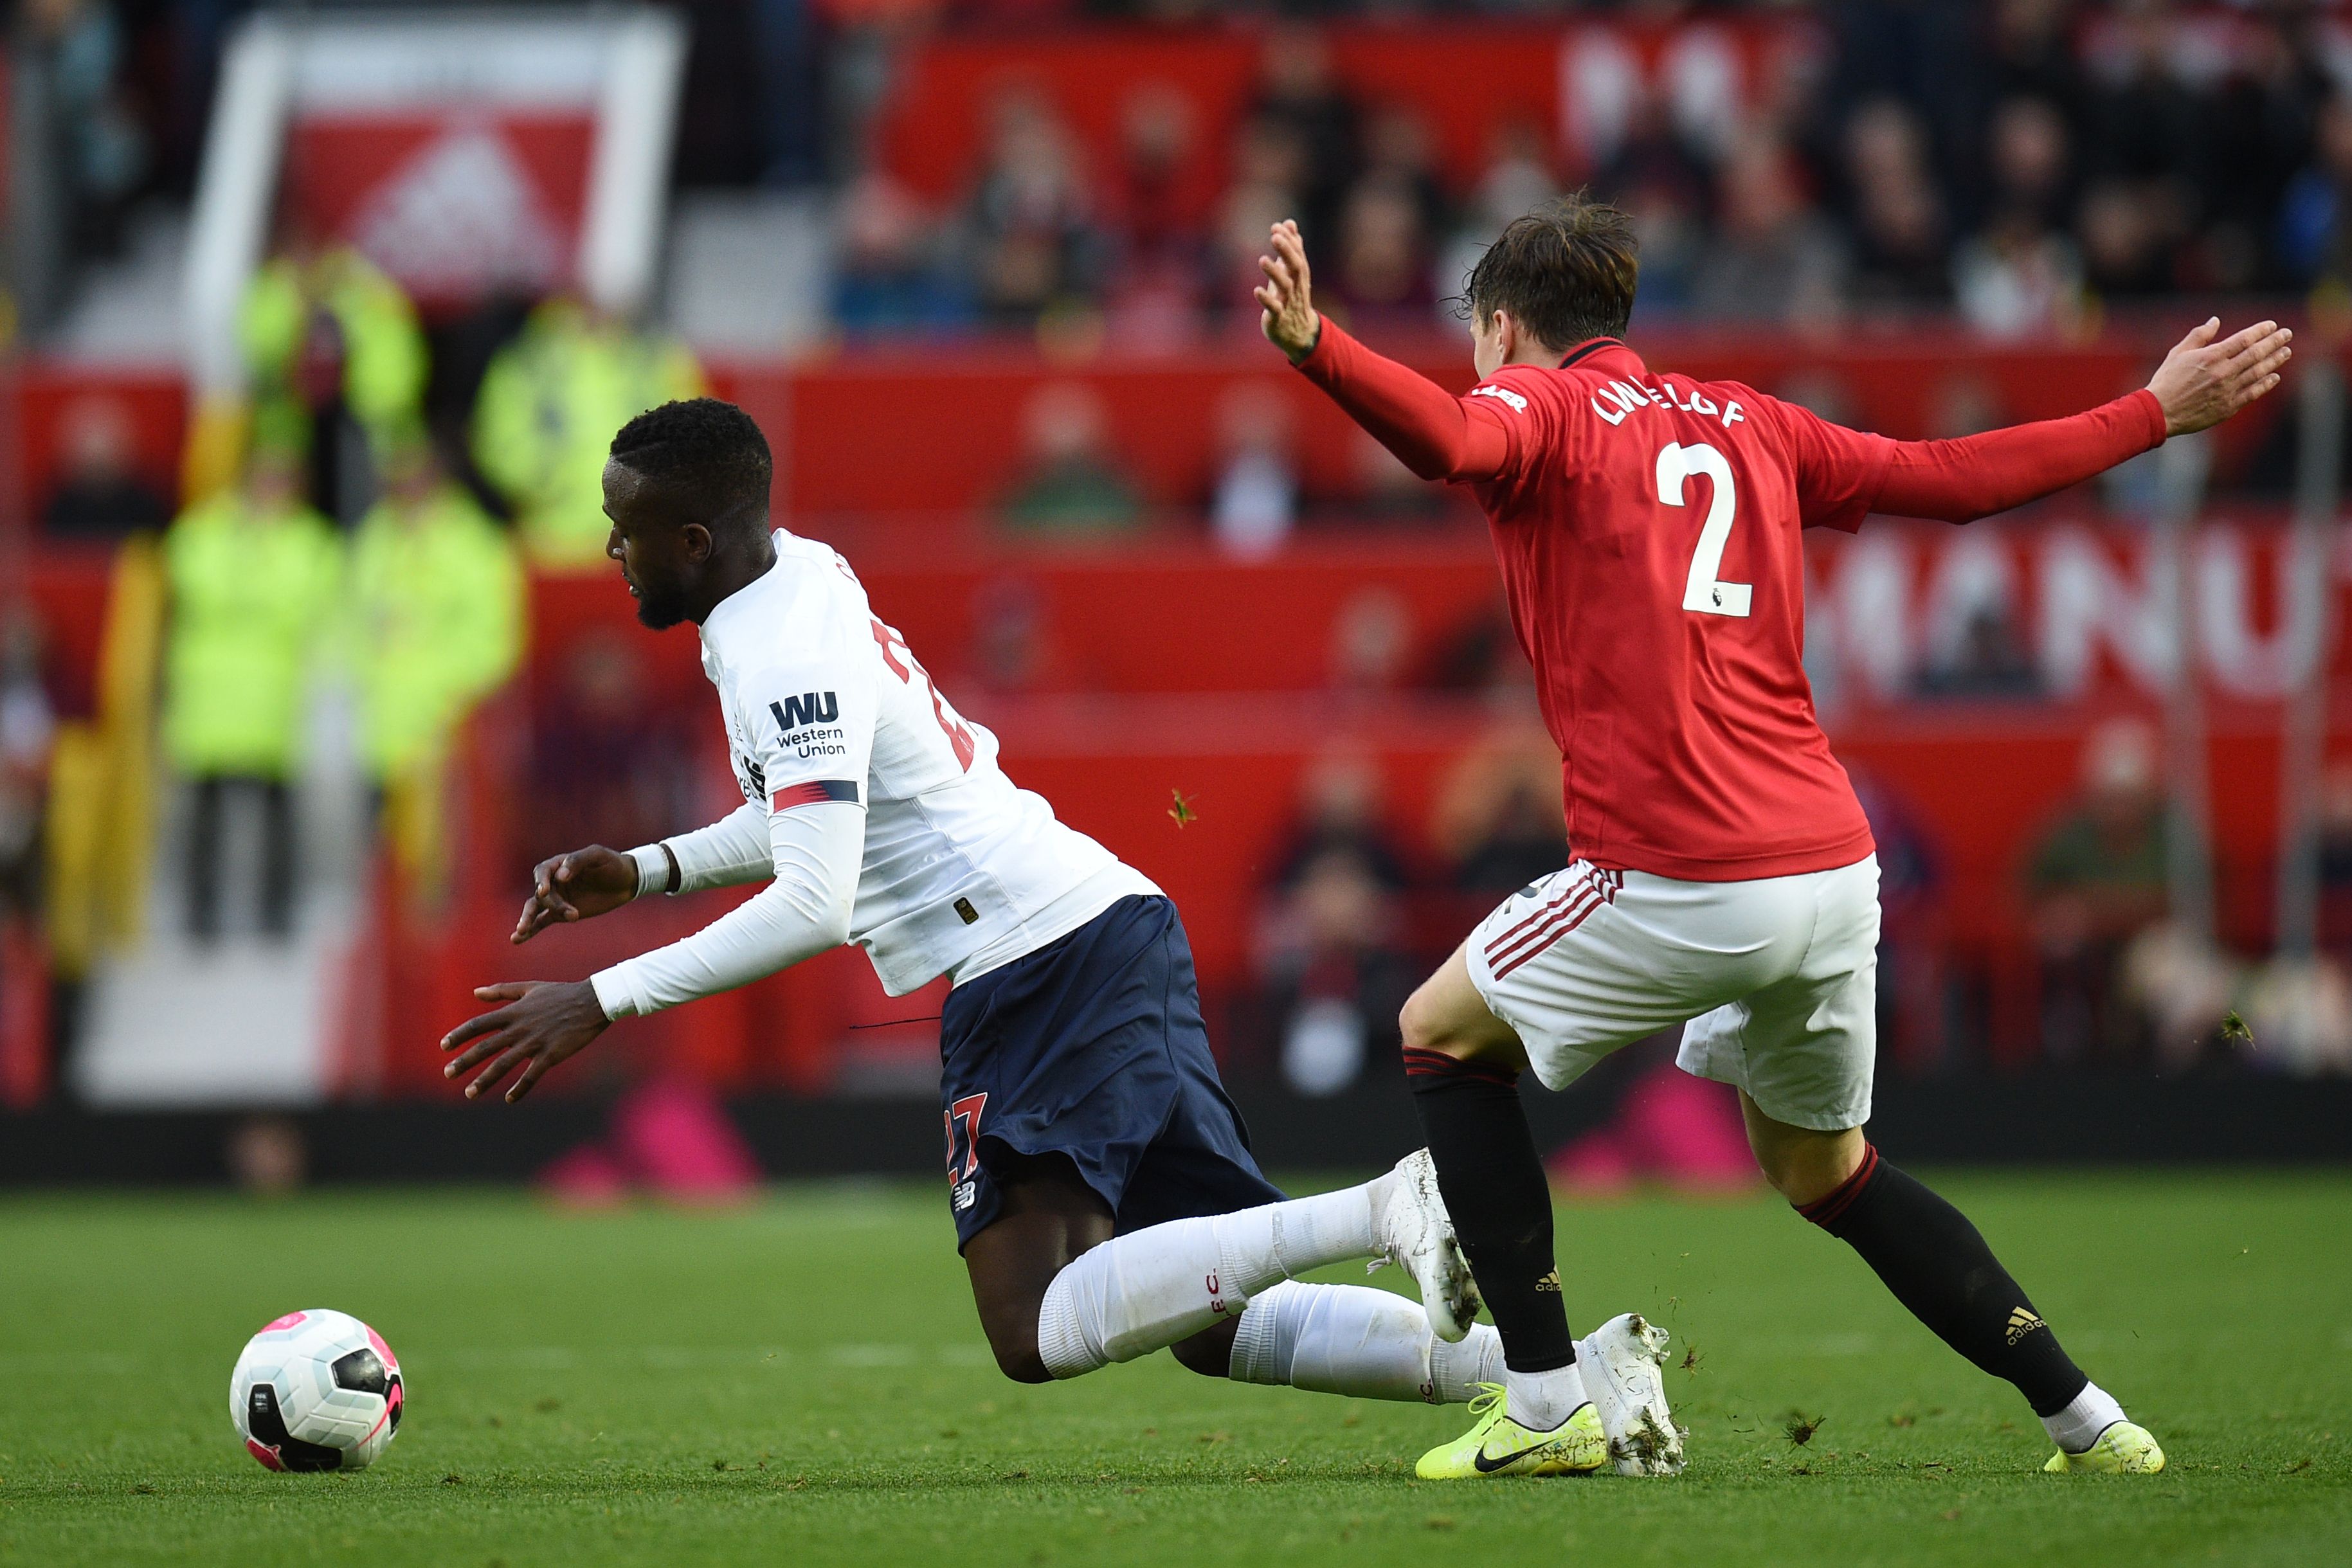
2063 611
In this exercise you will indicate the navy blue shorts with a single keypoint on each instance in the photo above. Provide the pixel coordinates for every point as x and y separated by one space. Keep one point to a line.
1092 1047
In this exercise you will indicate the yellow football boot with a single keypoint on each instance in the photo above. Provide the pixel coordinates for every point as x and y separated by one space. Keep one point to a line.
1498 1446
2123 1450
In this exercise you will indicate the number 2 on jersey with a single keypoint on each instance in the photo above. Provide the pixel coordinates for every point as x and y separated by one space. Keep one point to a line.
1705 593
905 666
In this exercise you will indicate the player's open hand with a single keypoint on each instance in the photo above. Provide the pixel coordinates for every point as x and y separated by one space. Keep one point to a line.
544 1022
575 886
1288 318
2203 382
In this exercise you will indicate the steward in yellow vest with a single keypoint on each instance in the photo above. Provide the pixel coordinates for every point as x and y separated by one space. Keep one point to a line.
319 324
437 594
545 416
253 574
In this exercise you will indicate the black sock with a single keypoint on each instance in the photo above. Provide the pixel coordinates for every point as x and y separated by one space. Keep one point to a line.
1495 1189
1939 1267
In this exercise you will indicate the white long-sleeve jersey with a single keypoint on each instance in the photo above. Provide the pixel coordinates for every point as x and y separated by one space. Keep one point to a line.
878 811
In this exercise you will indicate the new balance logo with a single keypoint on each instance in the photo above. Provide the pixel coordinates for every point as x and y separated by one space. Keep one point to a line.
2022 1322
1549 1282
809 707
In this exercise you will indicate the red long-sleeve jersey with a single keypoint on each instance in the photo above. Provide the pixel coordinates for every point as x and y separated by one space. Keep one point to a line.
1647 527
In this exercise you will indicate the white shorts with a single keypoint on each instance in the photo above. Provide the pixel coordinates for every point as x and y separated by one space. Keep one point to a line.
1777 979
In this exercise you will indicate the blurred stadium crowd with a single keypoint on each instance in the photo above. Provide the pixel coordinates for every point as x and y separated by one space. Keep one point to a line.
2026 170
2020 162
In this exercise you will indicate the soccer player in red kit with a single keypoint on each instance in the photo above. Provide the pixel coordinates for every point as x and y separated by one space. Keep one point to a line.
1722 874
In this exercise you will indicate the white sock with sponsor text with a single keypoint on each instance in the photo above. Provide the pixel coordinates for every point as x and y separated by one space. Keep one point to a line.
1354 1340
1540 1401
1139 1292
2078 1426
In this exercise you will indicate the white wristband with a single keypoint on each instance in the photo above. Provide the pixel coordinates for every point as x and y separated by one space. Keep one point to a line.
653 867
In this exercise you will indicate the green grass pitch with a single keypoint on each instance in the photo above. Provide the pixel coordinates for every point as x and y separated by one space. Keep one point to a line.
802 1381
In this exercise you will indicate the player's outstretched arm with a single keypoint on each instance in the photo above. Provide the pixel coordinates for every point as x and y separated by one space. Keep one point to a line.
729 852
1430 429
577 885
816 850
2200 383
2203 382
596 880
543 1023
1287 316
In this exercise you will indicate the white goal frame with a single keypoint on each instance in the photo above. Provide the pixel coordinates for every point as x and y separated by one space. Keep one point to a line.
624 66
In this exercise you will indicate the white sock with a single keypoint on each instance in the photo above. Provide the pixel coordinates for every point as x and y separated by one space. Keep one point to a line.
1139 1292
1540 1401
2078 1426
1354 1340
1455 1371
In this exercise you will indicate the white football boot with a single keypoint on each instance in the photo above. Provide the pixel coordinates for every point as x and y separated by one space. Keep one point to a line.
1622 1362
1411 1228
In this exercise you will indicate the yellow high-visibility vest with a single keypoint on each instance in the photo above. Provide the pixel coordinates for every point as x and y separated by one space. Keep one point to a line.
385 357
546 415
248 594
436 624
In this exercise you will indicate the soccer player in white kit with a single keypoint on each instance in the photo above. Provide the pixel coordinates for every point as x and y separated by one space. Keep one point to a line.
1105 1201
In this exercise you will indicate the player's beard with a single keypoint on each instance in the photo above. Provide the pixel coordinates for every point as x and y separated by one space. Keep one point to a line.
660 612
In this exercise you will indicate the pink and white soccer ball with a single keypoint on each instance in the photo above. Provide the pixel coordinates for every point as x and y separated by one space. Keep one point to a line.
315 1390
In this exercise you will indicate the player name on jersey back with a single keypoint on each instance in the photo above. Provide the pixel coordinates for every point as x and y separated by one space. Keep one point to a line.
1615 399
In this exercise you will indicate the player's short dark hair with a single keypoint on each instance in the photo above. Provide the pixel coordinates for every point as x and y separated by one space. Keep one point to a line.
1565 272
708 455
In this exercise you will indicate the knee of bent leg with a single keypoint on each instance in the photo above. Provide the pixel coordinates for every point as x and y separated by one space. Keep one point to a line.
1416 1024
1209 1353
1423 1023
1021 1362
1013 1339
1809 1166
1445 1014
1777 1169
